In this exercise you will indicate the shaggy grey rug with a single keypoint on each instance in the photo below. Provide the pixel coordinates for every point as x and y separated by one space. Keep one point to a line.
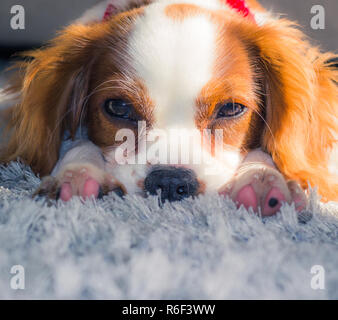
134 249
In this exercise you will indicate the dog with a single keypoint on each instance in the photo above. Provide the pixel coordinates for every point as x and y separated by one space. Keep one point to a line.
140 70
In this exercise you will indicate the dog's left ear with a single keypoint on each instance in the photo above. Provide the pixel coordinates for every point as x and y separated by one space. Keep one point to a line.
301 103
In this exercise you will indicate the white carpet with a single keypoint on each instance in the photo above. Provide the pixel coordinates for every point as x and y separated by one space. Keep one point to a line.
134 249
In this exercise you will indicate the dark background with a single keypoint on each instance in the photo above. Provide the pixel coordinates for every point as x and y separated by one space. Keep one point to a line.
44 17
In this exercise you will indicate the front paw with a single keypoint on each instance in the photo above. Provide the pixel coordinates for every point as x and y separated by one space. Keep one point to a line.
264 189
83 180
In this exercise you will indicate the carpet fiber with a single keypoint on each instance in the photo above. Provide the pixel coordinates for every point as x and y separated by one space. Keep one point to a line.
135 249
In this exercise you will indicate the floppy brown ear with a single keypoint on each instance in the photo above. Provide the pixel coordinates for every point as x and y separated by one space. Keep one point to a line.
52 88
301 104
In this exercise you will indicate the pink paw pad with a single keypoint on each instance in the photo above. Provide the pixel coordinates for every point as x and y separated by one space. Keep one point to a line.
91 188
273 202
247 197
66 192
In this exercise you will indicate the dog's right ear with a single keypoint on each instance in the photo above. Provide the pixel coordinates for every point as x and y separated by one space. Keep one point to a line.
52 87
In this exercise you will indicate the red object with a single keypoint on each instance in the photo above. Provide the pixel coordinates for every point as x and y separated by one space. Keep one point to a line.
110 10
241 7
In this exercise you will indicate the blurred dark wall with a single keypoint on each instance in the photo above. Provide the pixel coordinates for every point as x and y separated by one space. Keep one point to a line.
44 17
300 11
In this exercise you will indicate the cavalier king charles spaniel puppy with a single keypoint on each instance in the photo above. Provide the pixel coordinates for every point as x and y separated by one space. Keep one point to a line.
96 110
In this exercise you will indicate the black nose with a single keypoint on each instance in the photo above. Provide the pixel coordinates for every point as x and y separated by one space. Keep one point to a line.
174 183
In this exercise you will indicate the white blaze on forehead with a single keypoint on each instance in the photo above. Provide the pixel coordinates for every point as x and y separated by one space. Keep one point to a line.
174 58
207 4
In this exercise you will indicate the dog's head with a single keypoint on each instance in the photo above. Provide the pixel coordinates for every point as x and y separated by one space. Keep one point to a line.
168 70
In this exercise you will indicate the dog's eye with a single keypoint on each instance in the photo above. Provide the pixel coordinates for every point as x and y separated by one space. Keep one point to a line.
230 110
118 108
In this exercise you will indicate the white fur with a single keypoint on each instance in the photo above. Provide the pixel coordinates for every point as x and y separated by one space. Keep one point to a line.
206 4
81 151
174 59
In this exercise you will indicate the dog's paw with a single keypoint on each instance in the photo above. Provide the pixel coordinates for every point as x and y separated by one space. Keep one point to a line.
264 189
83 180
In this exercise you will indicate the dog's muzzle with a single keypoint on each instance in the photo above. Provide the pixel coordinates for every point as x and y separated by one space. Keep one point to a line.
173 183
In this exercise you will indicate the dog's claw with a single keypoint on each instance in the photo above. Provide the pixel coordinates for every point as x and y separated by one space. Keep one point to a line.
119 192
304 217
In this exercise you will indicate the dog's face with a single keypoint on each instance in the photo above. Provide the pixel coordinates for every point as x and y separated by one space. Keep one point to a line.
165 67
176 67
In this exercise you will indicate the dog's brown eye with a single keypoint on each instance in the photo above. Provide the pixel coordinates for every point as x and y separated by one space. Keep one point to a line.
118 108
230 110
